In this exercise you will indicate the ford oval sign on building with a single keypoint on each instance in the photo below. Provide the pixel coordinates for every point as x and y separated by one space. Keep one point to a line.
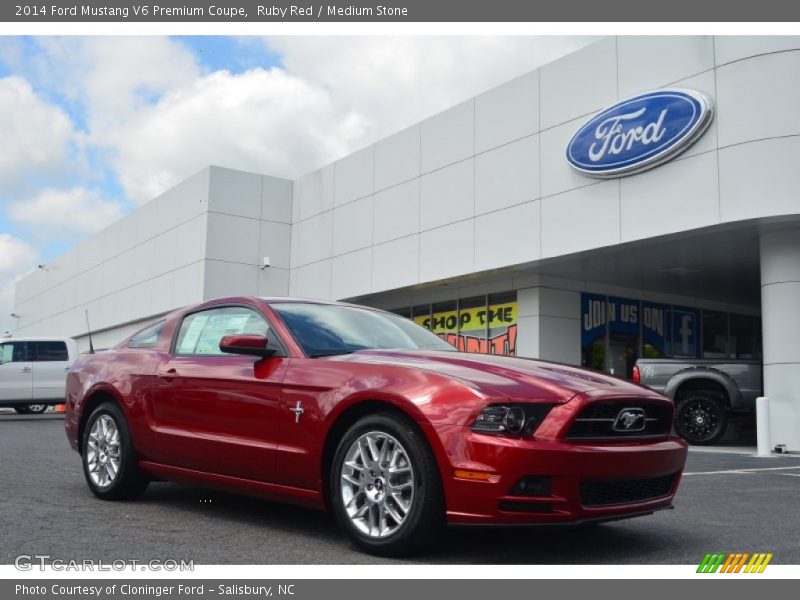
639 133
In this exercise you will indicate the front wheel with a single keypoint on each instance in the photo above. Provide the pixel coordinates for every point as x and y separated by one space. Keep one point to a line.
109 460
22 410
700 418
385 488
36 409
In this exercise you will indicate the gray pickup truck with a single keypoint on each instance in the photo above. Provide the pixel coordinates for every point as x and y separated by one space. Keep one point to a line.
705 391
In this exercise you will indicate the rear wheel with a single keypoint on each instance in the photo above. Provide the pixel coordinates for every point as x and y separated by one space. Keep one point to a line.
701 417
385 488
21 410
109 460
36 409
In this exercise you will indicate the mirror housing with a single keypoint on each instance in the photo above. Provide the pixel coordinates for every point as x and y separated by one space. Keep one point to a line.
249 345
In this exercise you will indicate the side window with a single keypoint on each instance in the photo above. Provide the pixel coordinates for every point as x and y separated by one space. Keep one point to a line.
147 337
201 332
48 351
12 352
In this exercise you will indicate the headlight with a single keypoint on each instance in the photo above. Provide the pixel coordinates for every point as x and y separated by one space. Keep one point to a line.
510 419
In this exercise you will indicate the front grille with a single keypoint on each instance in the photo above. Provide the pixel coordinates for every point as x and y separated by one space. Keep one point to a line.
625 491
597 420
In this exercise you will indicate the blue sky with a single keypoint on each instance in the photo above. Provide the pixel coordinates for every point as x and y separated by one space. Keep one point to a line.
93 127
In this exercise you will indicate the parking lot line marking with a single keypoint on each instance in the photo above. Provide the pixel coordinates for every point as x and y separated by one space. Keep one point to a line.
743 471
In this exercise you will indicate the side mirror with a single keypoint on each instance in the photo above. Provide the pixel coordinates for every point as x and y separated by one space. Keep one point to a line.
250 345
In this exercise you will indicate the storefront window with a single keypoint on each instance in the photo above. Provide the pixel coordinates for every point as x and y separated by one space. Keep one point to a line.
715 334
502 321
623 336
444 321
744 342
421 315
593 331
685 332
472 323
655 332
480 324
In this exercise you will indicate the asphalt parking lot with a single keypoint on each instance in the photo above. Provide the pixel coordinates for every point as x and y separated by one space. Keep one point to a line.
728 501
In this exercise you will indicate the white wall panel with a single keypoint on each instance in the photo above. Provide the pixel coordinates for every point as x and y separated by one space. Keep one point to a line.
507 237
350 275
354 176
274 243
508 112
447 251
507 175
735 47
352 226
760 179
653 61
448 137
313 193
276 199
758 98
397 158
678 196
447 195
396 264
315 238
397 211
233 239
581 219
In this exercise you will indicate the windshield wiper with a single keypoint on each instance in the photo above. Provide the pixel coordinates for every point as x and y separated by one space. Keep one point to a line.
330 353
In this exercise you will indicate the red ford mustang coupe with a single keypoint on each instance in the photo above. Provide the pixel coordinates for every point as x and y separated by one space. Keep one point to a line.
366 414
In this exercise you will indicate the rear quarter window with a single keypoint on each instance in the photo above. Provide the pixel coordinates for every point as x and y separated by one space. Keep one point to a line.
147 337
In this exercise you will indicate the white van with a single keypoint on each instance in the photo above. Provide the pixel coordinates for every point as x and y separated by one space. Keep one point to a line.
33 372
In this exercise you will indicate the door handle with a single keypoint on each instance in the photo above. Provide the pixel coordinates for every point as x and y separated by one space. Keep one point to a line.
169 374
26 369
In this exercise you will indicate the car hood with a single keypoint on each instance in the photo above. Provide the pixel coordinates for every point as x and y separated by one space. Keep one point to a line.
514 378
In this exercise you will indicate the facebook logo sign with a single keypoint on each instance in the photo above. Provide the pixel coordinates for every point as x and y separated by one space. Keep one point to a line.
685 324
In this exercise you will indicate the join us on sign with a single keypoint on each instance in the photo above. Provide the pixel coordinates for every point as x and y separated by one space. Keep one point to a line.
639 133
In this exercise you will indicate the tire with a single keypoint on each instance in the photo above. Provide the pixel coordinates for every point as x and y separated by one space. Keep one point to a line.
377 508
36 409
21 410
701 417
102 452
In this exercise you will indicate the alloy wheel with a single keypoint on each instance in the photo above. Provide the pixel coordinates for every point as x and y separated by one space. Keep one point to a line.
377 484
103 452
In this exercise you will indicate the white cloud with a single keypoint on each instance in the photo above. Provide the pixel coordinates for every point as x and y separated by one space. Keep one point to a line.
113 76
16 259
36 135
264 121
65 213
332 96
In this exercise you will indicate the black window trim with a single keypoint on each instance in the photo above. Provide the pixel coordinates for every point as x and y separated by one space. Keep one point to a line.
274 335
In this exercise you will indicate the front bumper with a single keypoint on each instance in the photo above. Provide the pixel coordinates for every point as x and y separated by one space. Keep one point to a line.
568 465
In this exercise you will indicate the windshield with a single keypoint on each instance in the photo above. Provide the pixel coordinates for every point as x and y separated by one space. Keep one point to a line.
328 329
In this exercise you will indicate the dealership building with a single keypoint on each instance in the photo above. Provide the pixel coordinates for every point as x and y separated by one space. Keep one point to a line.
535 219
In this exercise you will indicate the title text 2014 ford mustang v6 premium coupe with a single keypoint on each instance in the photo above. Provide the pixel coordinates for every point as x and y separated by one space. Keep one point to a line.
362 412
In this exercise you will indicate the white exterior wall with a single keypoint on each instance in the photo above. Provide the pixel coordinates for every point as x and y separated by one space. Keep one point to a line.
203 238
482 186
445 197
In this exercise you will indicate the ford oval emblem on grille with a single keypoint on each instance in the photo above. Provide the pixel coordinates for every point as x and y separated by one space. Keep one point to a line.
639 133
630 420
